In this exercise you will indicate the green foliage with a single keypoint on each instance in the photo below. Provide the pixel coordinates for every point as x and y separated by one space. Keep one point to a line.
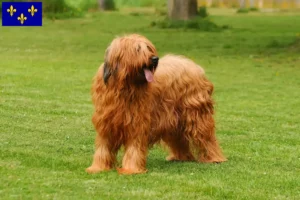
276 44
64 15
242 10
83 5
55 9
140 3
202 11
110 5
246 10
59 9
161 11
253 9
296 44
55 6
199 24
88 5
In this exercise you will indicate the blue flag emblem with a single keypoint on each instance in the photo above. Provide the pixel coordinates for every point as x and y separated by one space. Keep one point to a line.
22 14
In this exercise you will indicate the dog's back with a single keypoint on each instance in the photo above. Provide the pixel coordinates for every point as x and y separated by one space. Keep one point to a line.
180 75
176 65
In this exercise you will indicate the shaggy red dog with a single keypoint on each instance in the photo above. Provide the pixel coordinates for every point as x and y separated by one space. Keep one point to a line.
140 101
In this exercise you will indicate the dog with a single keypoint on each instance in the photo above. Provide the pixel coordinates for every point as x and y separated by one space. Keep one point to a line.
141 100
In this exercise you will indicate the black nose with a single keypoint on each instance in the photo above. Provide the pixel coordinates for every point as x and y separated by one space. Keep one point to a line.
154 60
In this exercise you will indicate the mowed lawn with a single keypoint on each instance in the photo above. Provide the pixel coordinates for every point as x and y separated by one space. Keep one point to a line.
46 134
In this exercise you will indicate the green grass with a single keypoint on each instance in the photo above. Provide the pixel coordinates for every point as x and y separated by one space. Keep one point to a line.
46 134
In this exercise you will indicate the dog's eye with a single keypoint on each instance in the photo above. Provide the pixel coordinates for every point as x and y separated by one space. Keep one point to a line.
138 48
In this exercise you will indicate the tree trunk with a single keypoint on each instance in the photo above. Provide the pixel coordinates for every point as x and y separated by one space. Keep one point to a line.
102 4
297 3
106 4
242 4
261 4
182 9
252 4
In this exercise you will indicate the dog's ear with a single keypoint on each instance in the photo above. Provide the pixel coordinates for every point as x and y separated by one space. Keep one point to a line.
106 73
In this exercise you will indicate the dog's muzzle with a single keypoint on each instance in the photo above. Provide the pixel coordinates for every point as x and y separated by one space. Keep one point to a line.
148 71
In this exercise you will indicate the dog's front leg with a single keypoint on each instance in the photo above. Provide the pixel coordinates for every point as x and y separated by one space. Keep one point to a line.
134 160
104 156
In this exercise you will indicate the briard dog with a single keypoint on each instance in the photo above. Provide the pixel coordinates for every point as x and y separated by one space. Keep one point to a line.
140 100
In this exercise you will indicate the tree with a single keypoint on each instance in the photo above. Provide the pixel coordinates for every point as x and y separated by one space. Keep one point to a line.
182 9
252 4
106 5
297 3
208 3
260 4
242 4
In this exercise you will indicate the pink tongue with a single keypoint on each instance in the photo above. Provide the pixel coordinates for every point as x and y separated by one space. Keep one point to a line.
148 75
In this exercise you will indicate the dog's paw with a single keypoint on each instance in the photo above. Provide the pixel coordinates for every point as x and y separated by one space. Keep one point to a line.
130 171
212 160
180 158
93 170
171 158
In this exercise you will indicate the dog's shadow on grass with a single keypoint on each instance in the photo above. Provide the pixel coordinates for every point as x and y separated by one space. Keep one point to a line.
159 164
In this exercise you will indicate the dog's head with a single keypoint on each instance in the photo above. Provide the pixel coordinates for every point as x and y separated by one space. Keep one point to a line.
132 58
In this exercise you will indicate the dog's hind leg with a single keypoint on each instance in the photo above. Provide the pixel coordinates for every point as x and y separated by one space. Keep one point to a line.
179 148
200 128
104 156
